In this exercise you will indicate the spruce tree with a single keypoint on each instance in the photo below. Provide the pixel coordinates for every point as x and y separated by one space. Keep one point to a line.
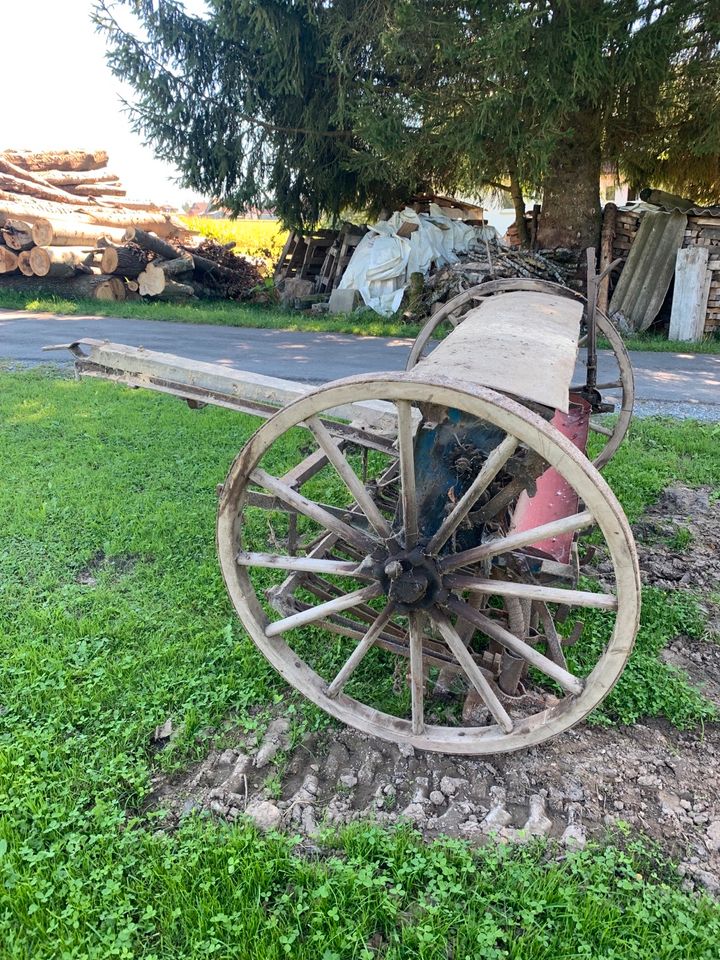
324 105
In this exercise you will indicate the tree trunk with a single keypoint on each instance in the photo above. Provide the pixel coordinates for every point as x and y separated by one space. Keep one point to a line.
114 189
123 261
23 263
44 259
151 281
159 223
148 241
571 194
176 291
83 285
67 233
58 159
8 260
17 235
519 204
68 178
13 184
31 209
180 265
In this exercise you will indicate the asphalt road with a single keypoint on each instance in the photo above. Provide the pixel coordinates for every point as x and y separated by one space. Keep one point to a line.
676 384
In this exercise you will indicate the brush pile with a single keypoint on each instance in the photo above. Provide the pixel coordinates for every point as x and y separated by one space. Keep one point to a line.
67 228
489 259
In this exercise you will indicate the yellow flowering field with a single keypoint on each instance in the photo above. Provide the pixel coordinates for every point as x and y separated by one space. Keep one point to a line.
255 238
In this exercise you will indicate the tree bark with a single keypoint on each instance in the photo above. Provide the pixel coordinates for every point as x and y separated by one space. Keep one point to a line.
159 223
571 194
519 204
31 209
176 291
58 159
148 241
180 265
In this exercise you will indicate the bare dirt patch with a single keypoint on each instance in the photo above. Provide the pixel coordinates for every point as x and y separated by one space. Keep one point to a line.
678 541
660 782
116 566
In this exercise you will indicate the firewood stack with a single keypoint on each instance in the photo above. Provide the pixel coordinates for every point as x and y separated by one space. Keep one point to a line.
67 228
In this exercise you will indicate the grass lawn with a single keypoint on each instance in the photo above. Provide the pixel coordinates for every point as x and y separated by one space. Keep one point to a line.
229 314
121 484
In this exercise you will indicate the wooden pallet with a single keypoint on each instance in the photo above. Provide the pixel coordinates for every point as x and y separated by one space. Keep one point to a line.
338 256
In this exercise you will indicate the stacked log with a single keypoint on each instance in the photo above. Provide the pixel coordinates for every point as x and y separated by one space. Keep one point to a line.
59 210
67 228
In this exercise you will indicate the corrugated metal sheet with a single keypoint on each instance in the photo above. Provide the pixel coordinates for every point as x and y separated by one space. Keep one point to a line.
650 266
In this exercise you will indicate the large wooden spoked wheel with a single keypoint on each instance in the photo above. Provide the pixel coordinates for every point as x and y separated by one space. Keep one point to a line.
391 621
618 387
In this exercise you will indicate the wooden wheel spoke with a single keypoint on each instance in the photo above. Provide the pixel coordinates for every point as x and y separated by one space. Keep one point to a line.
406 453
496 460
313 510
515 541
349 477
474 674
322 610
570 683
599 428
533 591
363 647
417 674
341 568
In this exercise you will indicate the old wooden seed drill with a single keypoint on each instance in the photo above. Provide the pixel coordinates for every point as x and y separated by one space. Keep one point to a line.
418 573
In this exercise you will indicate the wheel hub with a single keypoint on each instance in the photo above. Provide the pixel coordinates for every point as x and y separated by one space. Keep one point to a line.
411 579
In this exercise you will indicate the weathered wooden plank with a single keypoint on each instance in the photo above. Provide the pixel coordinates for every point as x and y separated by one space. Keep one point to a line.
522 343
690 296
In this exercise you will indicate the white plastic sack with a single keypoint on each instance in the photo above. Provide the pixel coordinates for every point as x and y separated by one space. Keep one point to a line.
381 265
378 269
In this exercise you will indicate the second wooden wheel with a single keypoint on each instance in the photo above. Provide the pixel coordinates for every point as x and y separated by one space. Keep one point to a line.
618 386
386 574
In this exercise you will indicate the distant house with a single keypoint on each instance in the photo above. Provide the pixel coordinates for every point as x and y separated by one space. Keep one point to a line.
201 208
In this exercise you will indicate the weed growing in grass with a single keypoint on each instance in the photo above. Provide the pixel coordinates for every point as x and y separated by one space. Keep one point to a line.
681 540
90 470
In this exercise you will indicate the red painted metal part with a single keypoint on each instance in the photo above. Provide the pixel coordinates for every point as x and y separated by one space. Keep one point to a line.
554 498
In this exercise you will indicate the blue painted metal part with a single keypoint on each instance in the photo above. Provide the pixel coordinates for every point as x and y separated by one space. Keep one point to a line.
448 457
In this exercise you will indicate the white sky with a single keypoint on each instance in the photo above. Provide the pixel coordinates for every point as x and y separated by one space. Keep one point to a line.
66 96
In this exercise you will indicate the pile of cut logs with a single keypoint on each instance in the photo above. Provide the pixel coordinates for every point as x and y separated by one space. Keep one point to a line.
67 228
